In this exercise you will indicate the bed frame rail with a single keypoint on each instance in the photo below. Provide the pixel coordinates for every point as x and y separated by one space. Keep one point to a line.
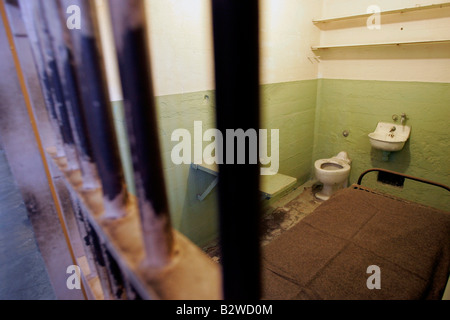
397 178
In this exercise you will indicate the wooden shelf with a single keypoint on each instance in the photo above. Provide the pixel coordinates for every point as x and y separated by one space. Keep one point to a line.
366 15
314 48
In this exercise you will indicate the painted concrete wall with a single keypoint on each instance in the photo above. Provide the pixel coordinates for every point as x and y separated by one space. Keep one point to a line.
183 72
357 106
363 86
182 45
291 107
307 100
286 34
405 63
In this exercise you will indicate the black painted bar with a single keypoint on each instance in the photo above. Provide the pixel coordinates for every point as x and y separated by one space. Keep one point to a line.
64 61
44 56
130 34
236 49
103 271
55 20
96 104
56 89
27 14
92 249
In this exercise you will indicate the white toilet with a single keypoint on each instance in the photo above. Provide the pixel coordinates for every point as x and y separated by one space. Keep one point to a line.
333 173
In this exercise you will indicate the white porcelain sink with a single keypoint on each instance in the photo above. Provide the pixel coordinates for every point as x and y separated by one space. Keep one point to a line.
389 136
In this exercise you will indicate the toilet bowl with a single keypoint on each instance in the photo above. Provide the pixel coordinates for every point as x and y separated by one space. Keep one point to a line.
333 173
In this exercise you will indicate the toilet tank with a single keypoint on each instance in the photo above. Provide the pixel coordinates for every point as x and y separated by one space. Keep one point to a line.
343 156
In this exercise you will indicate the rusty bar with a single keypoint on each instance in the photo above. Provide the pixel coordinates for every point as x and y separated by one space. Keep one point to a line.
99 251
64 60
56 89
27 9
236 51
97 108
130 292
115 275
92 249
130 35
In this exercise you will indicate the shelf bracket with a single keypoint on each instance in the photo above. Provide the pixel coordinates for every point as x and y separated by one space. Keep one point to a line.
211 186
208 190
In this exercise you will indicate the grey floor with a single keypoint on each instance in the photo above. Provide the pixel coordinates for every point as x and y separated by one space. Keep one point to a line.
23 275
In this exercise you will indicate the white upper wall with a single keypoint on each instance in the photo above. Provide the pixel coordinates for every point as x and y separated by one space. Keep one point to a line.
287 33
336 8
182 43
430 63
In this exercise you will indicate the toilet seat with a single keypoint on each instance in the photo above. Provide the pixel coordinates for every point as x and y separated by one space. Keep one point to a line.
333 161
333 173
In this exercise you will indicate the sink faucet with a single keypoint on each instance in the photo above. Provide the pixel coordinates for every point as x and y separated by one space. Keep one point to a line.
391 132
403 118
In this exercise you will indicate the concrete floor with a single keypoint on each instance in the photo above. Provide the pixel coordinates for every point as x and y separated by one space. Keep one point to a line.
281 215
23 275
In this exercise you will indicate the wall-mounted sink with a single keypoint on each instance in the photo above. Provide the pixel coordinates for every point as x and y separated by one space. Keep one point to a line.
389 137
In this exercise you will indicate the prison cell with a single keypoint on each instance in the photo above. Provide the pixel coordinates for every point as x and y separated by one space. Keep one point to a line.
130 248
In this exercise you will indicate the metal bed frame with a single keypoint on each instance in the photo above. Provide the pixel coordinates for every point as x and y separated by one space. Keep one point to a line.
398 178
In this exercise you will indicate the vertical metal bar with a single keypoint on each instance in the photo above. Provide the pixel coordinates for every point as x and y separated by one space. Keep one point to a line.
27 13
64 61
102 268
115 275
101 263
129 292
96 264
97 109
134 63
236 49
46 48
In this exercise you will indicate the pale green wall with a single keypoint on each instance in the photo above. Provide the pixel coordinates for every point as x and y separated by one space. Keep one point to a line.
357 106
195 219
311 116
289 107
124 148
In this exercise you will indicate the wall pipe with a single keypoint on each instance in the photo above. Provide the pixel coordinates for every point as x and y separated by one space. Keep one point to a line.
236 50
132 46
